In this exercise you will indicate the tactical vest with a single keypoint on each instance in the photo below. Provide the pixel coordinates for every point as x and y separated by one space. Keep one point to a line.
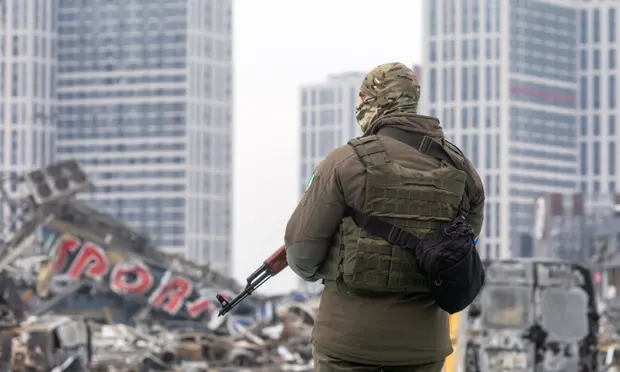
417 201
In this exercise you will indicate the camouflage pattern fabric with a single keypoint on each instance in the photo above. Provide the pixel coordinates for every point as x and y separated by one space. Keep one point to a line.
387 89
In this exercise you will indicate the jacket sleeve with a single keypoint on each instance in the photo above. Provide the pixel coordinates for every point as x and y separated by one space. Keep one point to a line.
476 195
315 220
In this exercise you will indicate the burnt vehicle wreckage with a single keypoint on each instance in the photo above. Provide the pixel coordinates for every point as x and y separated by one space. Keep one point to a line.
532 315
82 291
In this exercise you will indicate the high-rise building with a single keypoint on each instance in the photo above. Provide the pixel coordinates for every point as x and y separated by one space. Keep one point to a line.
598 84
145 104
27 89
502 77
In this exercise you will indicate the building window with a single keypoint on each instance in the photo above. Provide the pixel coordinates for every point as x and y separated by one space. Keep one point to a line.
498 219
583 92
596 26
433 51
596 157
498 82
432 85
596 59
612 91
584 126
475 15
464 123
453 78
584 26
474 151
464 80
488 82
487 152
596 87
464 16
612 25
445 85
584 60
475 83
474 117
464 50
612 158
596 125
465 144
583 164
487 48
612 58
475 50
612 125
433 19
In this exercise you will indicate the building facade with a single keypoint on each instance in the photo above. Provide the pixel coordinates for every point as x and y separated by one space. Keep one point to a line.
598 84
140 93
502 77
28 68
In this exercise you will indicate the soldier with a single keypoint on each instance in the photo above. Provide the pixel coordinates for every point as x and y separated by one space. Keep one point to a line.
376 313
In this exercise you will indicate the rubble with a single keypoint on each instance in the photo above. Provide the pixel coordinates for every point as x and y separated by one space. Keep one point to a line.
80 290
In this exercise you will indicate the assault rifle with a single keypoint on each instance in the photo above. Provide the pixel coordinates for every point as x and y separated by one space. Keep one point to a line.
270 267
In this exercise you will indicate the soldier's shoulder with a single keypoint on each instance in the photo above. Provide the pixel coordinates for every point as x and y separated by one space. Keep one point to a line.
339 157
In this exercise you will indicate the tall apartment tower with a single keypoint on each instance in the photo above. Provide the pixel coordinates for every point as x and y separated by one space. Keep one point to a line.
28 68
145 104
598 84
502 77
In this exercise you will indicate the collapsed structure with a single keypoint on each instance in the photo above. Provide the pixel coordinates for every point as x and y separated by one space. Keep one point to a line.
80 290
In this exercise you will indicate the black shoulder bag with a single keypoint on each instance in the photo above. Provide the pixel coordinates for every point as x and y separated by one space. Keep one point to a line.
448 257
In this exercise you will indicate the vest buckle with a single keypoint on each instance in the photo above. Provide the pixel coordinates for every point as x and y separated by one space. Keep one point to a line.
397 236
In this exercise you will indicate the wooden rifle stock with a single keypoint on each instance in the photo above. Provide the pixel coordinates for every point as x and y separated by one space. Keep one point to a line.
270 267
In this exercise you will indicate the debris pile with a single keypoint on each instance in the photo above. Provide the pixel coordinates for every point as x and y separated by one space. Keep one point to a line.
120 346
80 290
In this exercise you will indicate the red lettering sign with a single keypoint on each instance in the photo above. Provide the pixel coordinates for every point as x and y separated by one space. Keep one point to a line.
65 246
87 260
91 261
198 307
171 294
131 278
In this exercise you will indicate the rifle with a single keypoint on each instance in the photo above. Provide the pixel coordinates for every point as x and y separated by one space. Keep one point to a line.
270 267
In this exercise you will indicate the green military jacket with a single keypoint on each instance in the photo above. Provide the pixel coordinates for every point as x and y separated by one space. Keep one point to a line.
388 330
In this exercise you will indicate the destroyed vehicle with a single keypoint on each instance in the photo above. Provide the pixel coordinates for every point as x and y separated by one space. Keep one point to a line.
45 343
219 350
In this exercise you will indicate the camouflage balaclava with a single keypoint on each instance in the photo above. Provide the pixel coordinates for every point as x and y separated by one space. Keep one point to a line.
387 89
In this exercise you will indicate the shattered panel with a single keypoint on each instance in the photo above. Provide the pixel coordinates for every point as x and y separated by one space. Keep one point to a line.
533 316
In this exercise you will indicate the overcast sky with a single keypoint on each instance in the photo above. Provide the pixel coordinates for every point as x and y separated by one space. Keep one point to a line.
280 45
